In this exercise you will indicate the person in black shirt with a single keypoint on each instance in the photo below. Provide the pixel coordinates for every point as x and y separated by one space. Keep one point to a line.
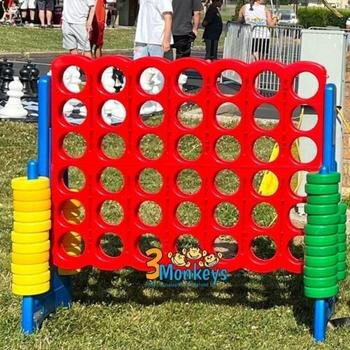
212 24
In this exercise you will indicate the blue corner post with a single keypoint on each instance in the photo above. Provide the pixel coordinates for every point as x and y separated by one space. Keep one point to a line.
36 308
324 307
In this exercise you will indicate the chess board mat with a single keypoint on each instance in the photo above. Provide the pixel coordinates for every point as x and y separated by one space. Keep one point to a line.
32 108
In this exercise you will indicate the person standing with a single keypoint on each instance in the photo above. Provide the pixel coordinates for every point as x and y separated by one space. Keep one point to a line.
25 6
45 11
153 28
212 24
98 28
77 20
186 19
257 15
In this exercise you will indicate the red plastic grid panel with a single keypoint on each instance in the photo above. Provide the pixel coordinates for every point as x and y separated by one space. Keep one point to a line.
170 163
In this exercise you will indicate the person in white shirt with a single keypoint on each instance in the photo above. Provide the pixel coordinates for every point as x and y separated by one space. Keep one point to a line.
259 17
153 29
77 20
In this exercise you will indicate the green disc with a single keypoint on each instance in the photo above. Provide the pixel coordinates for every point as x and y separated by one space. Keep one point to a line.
341 256
320 230
321 251
321 293
317 178
320 261
341 275
342 247
318 282
324 199
323 219
318 209
320 271
341 228
342 266
321 241
342 208
342 237
321 189
342 219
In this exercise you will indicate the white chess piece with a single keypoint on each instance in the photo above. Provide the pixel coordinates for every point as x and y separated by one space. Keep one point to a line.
71 79
107 80
113 112
14 108
182 79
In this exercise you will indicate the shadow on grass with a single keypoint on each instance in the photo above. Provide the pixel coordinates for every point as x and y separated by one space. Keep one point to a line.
257 291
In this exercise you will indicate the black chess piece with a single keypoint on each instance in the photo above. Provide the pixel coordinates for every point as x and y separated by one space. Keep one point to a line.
2 65
117 74
24 77
6 78
34 77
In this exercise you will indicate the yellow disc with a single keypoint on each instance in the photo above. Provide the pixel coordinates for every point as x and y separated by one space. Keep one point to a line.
30 290
33 216
31 280
32 205
63 272
31 196
32 227
23 184
29 269
31 248
35 237
30 259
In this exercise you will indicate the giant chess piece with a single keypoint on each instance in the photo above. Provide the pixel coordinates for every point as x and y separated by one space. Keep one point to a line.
14 108
71 79
6 78
24 77
107 80
2 65
34 77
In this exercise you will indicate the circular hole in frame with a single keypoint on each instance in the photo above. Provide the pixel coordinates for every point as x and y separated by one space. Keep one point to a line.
226 245
190 82
227 148
113 80
188 181
152 81
150 180
296 247
111 245
148 241
265 183
267 83
112 180
151 146
229 82
74 112
73 178
189 147
266 116
296 219
266 149
227 182
226 214
190 115
296 183
113 146
74 79
188 214
73 211
111 212
72 244
150 213
264 215
74 145
305 85
228 115
152 113
263 247
113 112
185 242
309 148
304 117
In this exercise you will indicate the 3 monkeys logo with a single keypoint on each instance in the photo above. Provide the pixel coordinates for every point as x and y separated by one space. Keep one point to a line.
191 264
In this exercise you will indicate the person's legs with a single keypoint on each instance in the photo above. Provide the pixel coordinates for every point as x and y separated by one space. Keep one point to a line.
41 7
82 39
24 8
49 9
32 7
182 44
208 49
140 50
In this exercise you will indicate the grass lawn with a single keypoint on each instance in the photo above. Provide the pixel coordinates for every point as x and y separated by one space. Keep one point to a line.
119 310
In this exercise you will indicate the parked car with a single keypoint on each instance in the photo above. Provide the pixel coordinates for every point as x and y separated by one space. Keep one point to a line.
287 18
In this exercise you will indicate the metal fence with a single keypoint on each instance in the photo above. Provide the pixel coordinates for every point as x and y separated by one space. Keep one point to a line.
250 43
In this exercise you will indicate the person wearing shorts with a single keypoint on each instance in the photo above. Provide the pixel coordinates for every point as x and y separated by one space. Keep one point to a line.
77 20
25 6
45 8
98 28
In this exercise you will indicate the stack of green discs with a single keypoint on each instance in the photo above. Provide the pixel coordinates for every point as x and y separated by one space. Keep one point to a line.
321 235
342 266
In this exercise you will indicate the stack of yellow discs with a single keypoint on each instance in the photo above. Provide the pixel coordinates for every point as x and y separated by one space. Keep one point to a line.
30 236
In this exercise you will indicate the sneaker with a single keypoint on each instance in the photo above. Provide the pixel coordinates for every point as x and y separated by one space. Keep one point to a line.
50 26
31 25
42 26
